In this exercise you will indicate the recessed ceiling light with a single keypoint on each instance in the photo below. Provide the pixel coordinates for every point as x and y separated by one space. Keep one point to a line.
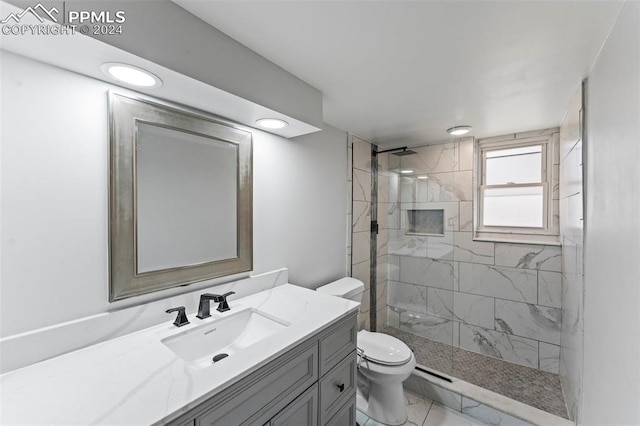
405 172
130 74
272 123
423 177
459 130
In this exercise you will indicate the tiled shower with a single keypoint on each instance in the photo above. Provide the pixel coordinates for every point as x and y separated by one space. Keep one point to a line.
499 299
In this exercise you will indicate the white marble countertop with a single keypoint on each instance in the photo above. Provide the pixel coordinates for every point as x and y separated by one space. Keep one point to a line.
136 379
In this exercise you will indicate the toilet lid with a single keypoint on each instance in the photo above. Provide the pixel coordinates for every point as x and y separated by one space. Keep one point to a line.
382 348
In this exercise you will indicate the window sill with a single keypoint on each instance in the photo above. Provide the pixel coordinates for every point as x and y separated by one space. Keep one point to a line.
546 240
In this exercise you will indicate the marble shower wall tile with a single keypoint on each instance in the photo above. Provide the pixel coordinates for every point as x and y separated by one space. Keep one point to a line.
545 258
413 190
381 303
393 216
467 250
362 272
382 241
466 216
393 268
571 230
452 186
429 272
550 289
506 283
393 316
411 297
383 188
361 155
528 320
504 346
401 244
432 159
383 164
465 149
433 328
349 160
361 185
361 243
474 310
361 216
440 247
549 358
440 303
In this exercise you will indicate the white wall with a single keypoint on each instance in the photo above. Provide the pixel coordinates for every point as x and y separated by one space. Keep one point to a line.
612 229
54 211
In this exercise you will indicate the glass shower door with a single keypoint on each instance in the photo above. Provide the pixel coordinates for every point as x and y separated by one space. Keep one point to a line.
415 260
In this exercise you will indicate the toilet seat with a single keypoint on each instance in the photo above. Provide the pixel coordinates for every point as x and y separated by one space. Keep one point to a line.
382 349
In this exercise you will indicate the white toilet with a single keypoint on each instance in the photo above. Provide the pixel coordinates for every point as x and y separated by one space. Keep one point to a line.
384 362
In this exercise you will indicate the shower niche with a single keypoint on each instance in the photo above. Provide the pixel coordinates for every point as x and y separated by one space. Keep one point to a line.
425 222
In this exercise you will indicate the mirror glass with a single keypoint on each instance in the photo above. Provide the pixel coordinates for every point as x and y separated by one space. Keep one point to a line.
185 198
180 198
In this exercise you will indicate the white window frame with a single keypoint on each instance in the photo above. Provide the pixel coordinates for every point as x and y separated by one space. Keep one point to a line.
509 232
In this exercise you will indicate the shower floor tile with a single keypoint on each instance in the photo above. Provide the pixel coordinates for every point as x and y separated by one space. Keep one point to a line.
530 386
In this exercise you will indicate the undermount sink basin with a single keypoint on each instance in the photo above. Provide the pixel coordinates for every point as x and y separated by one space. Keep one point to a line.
217 339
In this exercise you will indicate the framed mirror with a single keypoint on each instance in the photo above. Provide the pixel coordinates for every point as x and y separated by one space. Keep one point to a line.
180 207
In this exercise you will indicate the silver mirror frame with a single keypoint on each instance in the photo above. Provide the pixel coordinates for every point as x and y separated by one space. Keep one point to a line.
124 114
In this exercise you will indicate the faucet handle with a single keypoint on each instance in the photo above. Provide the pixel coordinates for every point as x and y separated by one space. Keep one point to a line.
223 305
181 319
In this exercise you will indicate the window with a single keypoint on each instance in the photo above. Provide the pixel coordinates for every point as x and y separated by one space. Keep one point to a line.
513 186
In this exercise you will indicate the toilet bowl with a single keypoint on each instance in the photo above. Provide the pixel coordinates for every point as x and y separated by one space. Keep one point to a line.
384 362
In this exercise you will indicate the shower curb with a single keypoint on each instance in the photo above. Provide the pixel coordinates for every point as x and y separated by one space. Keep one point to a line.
479 403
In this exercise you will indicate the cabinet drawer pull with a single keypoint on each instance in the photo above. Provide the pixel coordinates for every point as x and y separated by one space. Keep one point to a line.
341 387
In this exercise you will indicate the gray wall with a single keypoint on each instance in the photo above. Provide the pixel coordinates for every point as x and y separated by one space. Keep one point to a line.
612 229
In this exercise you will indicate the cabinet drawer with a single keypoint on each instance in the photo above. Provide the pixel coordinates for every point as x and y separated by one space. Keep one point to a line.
337 387
279 384
339 341
303 411
346 416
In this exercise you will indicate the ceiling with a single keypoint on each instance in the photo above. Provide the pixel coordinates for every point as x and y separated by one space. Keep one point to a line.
401 72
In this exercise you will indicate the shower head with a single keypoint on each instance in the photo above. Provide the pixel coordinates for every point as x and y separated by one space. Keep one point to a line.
401 151
404 152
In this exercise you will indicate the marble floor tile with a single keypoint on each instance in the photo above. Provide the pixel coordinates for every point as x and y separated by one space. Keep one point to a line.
442 416
423 412
417 408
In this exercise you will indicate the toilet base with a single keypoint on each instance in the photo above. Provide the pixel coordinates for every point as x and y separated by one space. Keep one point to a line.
384 404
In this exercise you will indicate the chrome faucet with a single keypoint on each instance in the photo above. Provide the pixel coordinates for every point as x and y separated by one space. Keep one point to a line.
204 306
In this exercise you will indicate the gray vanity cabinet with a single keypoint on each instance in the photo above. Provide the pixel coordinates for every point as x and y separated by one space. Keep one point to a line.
312 384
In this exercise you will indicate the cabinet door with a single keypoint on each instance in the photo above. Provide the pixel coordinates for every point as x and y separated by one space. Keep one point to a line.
276 385
346 416
303 411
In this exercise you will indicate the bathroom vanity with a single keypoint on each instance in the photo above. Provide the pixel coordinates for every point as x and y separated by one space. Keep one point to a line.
313 384
302 373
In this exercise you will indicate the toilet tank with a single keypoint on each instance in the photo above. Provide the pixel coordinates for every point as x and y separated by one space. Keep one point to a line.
347 288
